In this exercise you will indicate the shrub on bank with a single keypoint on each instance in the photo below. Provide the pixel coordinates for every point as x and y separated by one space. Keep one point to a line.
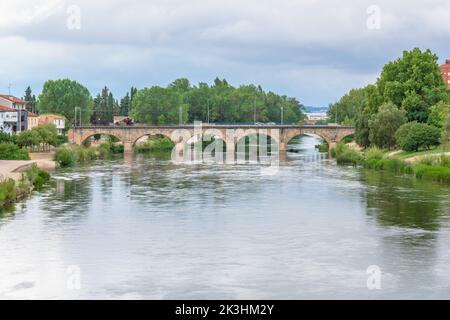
346 155
10 151
323 147
69 155
35 177
413 136
65 156
7 192
155 144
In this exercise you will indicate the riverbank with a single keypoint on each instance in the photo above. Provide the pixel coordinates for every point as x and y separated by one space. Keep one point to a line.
14 168
429 164
18 178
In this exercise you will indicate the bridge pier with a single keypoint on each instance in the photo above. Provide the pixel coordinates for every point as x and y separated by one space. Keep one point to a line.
127 147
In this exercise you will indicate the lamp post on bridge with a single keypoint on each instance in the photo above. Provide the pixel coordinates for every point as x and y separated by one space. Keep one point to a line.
207 117
282 114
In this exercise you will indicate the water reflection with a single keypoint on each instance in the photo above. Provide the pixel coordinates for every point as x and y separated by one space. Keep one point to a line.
144 227
403 201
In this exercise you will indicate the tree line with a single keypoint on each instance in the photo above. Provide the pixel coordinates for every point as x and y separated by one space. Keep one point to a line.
409 93
180 101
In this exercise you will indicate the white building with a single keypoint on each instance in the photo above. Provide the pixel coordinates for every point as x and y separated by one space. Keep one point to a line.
13 114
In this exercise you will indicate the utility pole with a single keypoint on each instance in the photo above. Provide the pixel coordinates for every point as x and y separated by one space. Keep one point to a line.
208 110
254 110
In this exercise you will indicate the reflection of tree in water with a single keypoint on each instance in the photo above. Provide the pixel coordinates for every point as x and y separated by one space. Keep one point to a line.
6 212
403 201
68 199
415 209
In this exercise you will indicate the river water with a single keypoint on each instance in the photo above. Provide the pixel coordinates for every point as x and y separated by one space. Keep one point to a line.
143 227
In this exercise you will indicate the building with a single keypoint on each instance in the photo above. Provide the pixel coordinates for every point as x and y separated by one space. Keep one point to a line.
8 119
12 102
313 117
13 114
33 120
57 120
445 72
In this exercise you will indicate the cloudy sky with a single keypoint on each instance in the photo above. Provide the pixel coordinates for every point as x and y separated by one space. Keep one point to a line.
314 50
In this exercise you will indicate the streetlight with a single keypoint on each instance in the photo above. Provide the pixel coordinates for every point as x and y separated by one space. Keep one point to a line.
208 111
281 114
254 110
180 115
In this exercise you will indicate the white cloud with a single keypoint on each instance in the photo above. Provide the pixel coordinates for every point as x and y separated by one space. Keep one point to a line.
321 45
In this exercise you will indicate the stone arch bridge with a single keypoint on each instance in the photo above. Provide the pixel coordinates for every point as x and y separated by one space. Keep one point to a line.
281 134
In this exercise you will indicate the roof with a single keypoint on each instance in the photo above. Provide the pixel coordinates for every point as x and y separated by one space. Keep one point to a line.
31 114
4 108
52 116
13 99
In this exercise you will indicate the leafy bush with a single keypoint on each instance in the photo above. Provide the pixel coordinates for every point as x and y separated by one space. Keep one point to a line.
65 156
413 136
323 147
36 177
445 161
346 155
384 124
155 144
374 153
117 148
69 155
11 151
61 139
7 192
6 137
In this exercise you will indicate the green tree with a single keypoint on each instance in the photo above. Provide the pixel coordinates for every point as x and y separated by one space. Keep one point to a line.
48 135
362 129
446 132
125 103
384 124
28 139
414 82
413 136
438 114
62 97
158 105
350 105
31 99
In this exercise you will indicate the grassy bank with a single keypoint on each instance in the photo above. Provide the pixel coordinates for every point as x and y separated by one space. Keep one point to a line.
69 155
32 179
429 167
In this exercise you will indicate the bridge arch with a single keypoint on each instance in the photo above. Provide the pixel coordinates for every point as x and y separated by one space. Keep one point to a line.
151 134
87 136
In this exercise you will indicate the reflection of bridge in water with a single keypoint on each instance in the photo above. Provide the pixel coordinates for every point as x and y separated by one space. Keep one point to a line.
230 134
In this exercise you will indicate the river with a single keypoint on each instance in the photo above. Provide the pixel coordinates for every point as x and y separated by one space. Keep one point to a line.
143 227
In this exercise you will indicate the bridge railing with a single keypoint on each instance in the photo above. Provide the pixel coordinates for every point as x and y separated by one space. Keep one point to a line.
210 125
